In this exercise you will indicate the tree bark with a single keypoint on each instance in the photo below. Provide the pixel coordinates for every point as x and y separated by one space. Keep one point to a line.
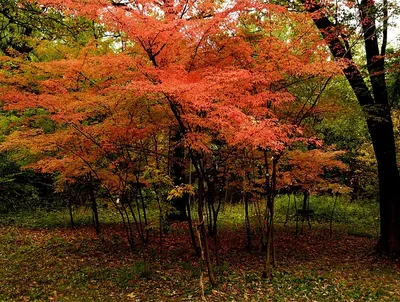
94 205
203 233
178 176
377 112
247 221
196 248
71 216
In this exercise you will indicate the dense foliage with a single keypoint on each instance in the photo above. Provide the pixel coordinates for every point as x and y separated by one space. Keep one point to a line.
149 104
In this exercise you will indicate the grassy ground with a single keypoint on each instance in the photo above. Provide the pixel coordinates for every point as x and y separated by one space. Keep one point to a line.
41 259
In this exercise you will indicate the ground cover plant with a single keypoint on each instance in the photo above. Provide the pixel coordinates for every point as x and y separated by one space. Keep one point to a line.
76 265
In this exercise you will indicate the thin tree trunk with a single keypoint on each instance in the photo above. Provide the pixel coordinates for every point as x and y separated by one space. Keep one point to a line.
127 223
209 218
268 270
139 222
178 176
306 195
216 242
271 187
214 214
161 221
94 206
71 216
146 224
262 228
203 233
331 219
127 226
247 221
196 248
202 259
287 211
297 215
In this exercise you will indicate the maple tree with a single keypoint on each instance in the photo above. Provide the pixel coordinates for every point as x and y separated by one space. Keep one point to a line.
224 75
306 169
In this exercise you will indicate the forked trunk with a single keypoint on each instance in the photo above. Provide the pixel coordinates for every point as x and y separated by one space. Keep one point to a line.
375 105
270 182
196 248
203 233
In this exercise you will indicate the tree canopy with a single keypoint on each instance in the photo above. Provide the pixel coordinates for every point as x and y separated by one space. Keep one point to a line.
237 96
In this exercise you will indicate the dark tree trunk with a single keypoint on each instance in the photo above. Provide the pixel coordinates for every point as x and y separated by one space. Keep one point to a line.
178 175
270 183
203 232
247 221
212 224
196 248
306 196
92 197
143 205
331 219
71 216
214 211
376 107
389 189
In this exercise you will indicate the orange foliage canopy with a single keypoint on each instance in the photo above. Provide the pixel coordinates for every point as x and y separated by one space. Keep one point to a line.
220 71
307 170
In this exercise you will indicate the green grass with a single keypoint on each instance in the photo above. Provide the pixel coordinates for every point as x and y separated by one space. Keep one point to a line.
39 218
360 217
357 218
41 259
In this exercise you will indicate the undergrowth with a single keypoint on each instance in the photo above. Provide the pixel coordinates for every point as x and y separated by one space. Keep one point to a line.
358 218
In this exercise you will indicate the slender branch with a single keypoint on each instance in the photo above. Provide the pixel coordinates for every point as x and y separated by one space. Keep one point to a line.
385 28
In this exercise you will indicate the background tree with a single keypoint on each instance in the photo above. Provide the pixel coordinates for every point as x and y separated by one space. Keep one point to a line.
374 100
